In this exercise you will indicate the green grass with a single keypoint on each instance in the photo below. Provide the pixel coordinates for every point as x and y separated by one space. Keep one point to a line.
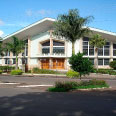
91 86
54 89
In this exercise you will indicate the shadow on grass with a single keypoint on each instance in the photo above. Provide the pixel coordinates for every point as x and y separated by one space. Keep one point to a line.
94 103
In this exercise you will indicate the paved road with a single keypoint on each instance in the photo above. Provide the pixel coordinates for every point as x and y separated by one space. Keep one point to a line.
27 102
34 102
45 80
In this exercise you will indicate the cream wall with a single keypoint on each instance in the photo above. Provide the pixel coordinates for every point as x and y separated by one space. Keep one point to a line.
0 61
35 43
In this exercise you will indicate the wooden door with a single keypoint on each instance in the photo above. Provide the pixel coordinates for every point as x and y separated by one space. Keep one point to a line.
58 63
45 64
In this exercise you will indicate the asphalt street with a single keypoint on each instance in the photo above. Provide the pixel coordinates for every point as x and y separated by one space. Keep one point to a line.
36 102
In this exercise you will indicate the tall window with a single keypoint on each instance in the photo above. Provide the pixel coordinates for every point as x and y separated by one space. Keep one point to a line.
25 53
7 61
114 49
92 60
103 62
87 49
46 47
58 47
14 60
104 51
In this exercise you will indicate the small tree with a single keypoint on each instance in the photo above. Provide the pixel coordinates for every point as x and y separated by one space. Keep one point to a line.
80 64
97 41
16 47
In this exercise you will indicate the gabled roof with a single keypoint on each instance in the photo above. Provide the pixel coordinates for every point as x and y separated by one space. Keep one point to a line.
46 24
33 29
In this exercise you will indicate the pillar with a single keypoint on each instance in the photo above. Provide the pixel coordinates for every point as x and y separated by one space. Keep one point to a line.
29 51
111 51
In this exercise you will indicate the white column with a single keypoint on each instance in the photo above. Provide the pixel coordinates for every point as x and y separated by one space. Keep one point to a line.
81 45
29 51
111 51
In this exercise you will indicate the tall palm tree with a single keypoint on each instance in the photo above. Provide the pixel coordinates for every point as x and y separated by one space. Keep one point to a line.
1 47
16 47
71 26
97 41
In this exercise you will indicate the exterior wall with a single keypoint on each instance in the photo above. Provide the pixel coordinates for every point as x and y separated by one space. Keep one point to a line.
34 52
0 61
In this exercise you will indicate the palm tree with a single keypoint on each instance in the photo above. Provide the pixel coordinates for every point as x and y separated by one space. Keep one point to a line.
71 26
97 41
16 47
1 47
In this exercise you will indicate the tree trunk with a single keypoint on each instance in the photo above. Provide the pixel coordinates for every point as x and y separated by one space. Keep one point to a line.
16 67
80 76
73 48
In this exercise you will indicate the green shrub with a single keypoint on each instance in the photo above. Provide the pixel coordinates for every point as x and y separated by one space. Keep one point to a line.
80 64
106 71
66 85
97 82
43 71
112 72
7 68
103 71
35 70
16 72
113 64
72 74
0 71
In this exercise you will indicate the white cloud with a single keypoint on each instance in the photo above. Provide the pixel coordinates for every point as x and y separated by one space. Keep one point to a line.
17 24
41 12
1 22
29 12
1 32
44 12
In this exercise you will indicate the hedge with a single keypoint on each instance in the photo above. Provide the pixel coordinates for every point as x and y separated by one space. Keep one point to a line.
7 68
16 72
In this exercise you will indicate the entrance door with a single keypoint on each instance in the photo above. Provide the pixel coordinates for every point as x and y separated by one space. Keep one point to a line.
45 63
58 63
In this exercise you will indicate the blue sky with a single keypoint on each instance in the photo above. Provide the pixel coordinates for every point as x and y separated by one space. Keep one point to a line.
16 14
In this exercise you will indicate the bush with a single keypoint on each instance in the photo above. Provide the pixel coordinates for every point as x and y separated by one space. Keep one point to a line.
97 82
72 74
106 71
0 71
16 72
80 64
7 68
66 85
43 71
35 70
113 64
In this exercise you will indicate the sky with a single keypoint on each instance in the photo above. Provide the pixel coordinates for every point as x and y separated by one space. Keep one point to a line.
16 14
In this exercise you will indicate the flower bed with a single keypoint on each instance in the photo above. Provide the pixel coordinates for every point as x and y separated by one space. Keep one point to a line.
67 86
